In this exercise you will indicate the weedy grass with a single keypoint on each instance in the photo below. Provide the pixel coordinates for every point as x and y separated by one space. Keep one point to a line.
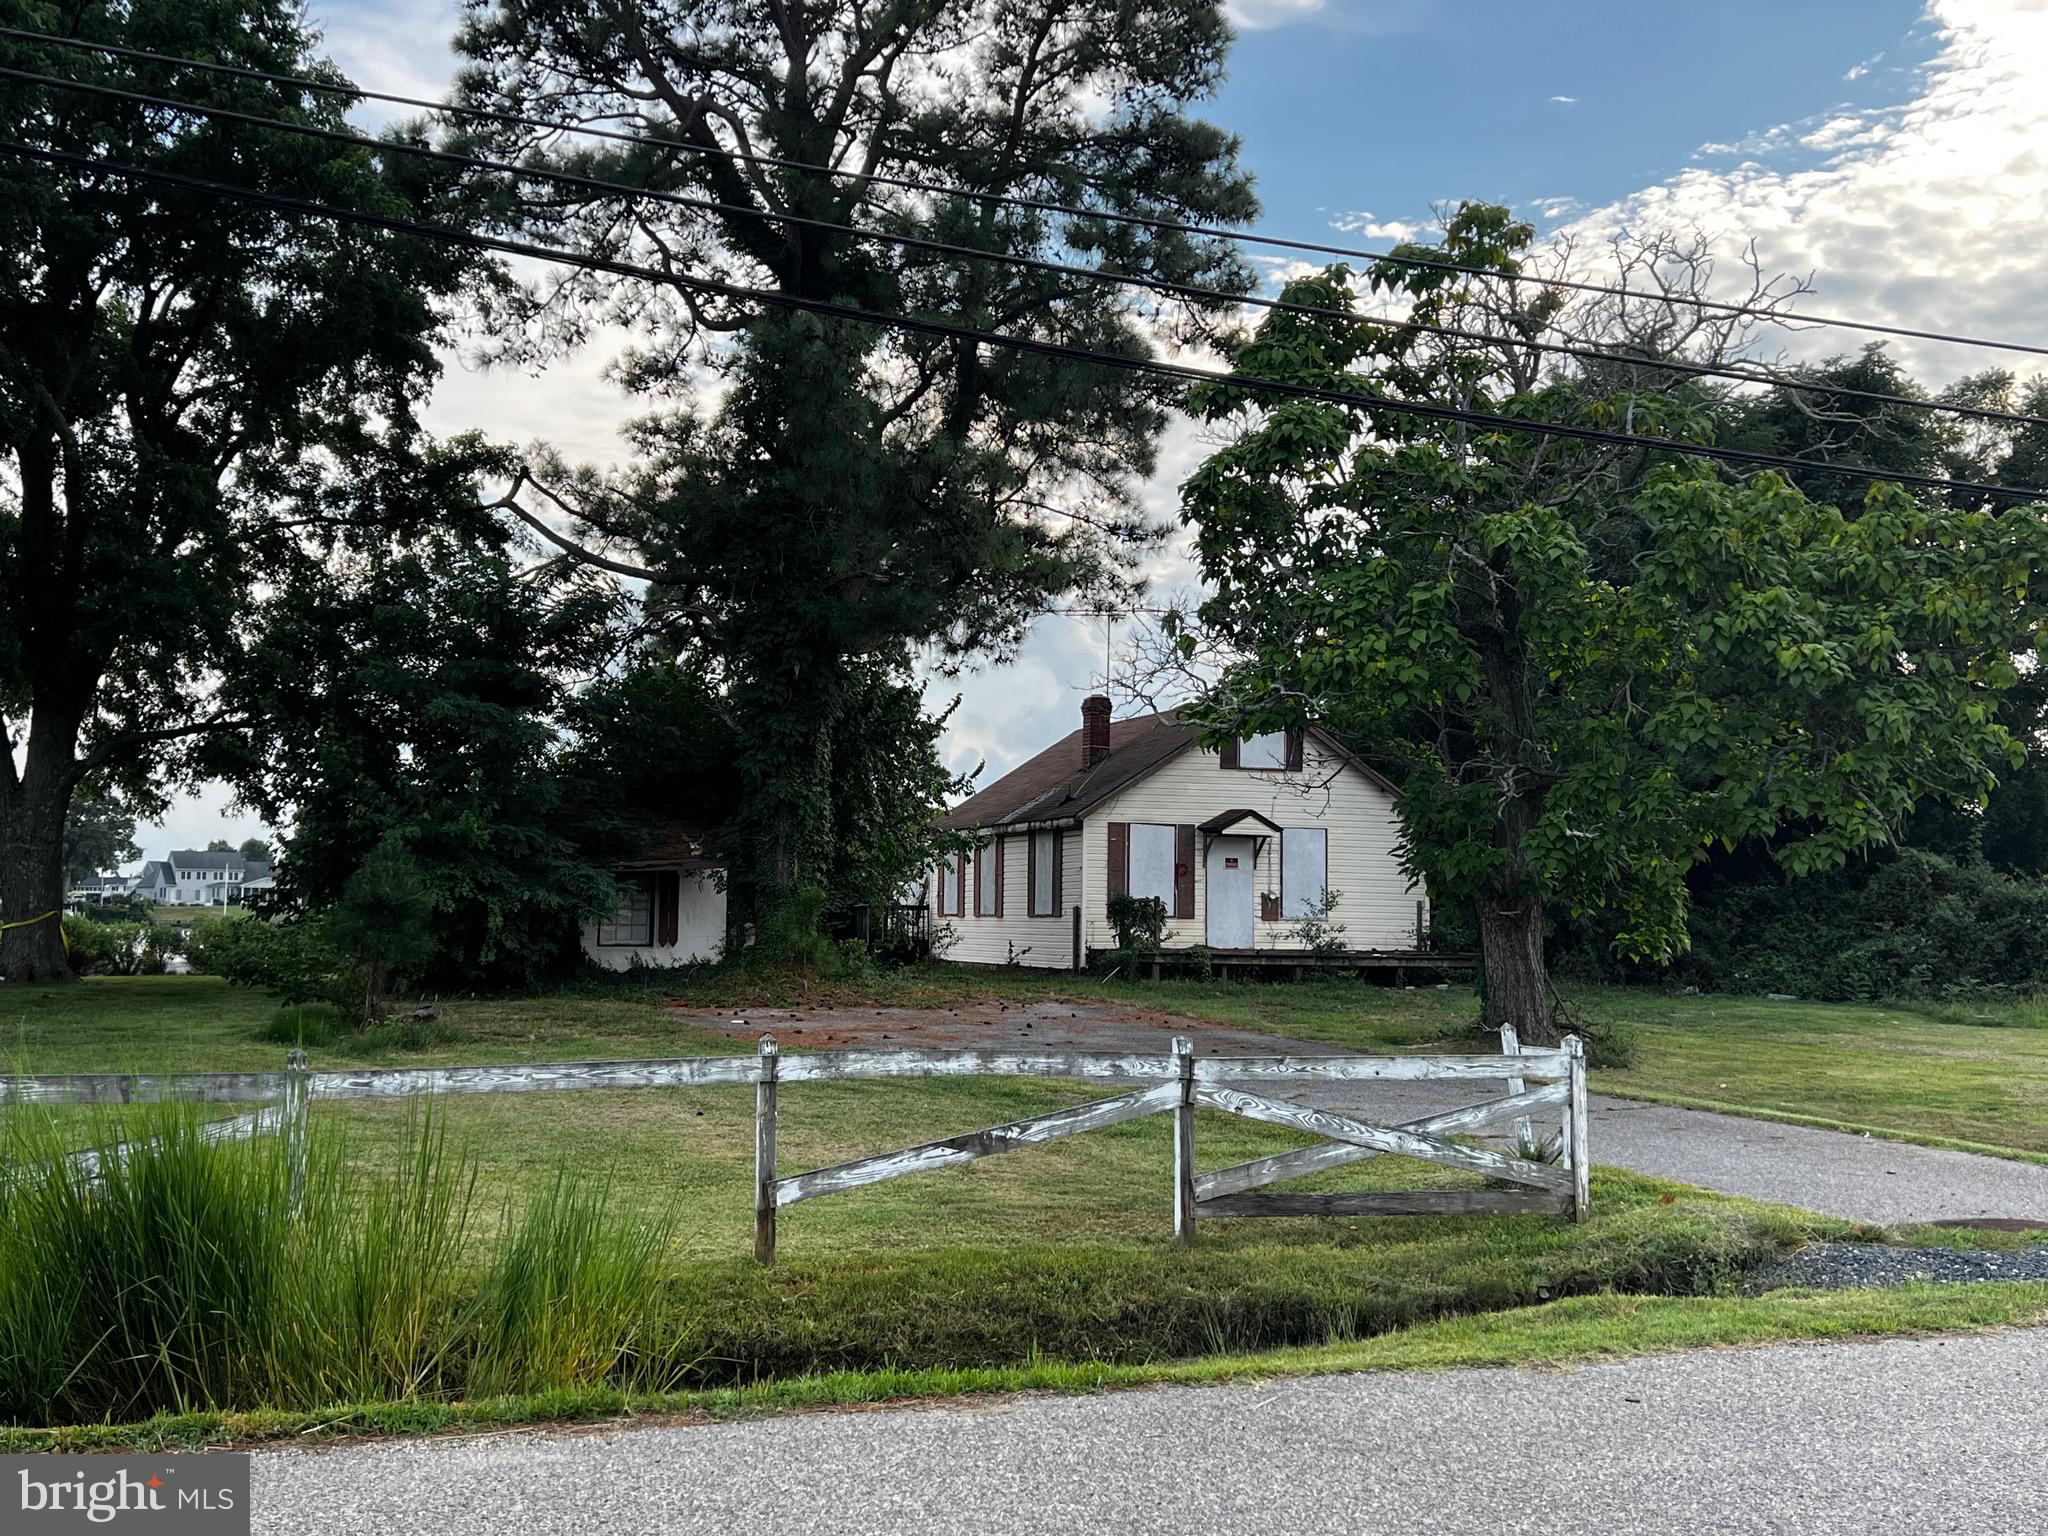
183 1279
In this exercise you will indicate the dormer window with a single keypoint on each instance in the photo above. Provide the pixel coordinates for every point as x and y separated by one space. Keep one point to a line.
1268 752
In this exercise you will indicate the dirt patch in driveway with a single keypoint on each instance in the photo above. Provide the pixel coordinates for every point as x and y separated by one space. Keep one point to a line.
1077 1023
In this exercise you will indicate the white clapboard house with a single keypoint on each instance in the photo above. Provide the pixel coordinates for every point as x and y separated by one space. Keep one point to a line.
1241 845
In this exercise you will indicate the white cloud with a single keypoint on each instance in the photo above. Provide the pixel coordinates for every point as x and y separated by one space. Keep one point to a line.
1566 101
1254 14
1858 71
1363 223
1932 213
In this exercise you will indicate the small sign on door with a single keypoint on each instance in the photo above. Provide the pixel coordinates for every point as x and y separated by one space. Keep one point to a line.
1230 863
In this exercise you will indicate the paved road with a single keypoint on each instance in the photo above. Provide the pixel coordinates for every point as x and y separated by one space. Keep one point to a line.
1916 1436
1861 1178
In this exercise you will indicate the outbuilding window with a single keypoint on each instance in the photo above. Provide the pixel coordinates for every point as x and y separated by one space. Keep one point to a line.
632 925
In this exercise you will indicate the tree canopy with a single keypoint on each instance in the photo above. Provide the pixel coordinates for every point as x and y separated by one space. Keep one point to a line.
196 399
821 504
1586 664
413 707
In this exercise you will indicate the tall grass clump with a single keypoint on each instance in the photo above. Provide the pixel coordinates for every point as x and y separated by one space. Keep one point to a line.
574 1297
183 1280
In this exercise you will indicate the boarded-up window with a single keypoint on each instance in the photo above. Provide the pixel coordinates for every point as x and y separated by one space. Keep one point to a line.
1264 751
953 887
988 871
633 923
1045 862
1304 870
1152 861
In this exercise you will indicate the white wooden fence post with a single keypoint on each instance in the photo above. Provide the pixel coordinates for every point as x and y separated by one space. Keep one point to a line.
1184 1144
1511 1048
764 1153
296 1115
1575 1139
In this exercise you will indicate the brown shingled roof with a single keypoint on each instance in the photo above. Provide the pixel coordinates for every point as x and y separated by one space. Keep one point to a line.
1053 786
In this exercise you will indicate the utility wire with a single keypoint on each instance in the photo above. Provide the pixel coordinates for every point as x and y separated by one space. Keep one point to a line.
1682 366
1012 200
1152 367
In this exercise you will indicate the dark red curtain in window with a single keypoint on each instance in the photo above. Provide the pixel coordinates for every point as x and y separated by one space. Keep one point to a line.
668 901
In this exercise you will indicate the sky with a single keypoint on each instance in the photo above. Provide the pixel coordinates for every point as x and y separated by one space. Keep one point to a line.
1895 151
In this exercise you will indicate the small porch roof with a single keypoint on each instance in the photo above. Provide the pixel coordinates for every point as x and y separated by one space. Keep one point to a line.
1227 820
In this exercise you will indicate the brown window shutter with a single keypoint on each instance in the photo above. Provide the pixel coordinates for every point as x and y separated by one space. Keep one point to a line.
1119 858
1059 872
999 874
1294 757
977 882
668 901
1184 870
1226 755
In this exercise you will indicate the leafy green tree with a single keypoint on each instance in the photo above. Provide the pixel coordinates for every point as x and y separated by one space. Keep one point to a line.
418 699
2010 829
647 744
99 832
1586 663
255 849
845 497
384 922
192 393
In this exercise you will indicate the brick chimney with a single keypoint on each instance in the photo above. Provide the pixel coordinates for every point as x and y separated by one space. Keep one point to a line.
1094 729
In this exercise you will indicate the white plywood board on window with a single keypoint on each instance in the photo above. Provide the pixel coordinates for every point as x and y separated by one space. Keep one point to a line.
1304 869
1152 859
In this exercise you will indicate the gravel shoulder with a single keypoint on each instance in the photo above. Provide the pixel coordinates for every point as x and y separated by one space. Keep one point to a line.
1859 1178
1900 1435
1845 1266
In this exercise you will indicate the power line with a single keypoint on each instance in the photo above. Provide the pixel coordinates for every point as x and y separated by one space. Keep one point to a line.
1013 200
1681 366
1153 367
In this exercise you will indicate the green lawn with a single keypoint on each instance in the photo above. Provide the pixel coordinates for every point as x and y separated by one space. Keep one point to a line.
1888 1069
1971 1075
685 1157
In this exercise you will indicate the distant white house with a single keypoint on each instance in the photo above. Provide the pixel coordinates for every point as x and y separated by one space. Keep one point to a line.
201 878
98 888
1241 845
671 907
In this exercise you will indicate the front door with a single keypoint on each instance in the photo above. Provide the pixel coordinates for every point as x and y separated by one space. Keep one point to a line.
1229 873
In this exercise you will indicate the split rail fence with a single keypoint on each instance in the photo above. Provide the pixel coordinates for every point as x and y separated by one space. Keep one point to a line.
1176 1083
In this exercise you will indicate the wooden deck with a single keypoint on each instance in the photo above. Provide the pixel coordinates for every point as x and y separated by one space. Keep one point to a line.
1300 962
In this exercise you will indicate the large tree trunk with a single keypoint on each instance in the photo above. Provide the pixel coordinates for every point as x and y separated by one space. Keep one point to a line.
1513 976
32 879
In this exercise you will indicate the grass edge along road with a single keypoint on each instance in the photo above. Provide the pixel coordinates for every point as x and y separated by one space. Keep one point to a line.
1556 1335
